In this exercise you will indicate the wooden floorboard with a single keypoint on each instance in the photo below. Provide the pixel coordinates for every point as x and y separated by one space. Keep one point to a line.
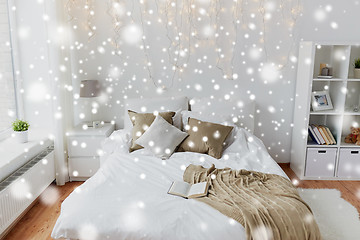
350 190
39 221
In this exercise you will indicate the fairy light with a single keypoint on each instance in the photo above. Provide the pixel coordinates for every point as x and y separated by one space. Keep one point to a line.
70 4
89 7
116 11
90 13
191 25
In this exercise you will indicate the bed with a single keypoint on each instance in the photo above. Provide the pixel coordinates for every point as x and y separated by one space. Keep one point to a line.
127 198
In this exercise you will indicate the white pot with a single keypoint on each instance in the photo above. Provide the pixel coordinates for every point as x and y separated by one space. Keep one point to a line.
357 73
21 137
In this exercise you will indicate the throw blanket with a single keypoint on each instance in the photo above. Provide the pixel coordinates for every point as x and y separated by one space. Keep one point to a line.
267 205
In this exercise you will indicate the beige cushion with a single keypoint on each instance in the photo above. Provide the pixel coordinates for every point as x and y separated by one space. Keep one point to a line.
141 122
205 137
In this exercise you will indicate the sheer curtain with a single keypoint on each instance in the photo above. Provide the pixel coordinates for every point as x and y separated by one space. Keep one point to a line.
60 77
8 111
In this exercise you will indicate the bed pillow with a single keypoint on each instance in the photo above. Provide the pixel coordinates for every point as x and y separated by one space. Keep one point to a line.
242 112
213 118
205 137
207 117
151 105
161 138
141 122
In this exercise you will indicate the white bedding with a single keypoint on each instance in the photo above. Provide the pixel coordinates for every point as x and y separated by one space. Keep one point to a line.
127 198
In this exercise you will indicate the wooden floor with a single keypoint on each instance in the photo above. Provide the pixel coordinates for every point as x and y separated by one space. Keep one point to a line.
39 221
350 190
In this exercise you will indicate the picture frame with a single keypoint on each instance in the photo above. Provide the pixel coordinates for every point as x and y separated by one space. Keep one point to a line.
320 101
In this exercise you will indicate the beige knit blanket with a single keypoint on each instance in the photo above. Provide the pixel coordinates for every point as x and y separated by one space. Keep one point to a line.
267 205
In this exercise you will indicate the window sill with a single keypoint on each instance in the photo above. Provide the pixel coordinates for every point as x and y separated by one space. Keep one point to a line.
14 154
5 134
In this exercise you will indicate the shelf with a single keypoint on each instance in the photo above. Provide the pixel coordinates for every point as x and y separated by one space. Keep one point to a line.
344 144
344 91
329 79
326 112
351 113
350 79
353 79
312 144
354 54
336 56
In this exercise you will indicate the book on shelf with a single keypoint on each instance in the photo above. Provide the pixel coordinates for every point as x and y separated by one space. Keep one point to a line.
313 135
187 190
330 134
321 134
318 134
324 135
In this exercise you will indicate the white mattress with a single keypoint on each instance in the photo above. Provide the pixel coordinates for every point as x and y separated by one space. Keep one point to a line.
127 198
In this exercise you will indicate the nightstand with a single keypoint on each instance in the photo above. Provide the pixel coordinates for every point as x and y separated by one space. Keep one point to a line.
84 149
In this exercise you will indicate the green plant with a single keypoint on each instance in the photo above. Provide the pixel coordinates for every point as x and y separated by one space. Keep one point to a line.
20 126
357 63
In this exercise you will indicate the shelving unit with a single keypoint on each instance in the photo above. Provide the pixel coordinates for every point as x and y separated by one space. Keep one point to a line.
328 162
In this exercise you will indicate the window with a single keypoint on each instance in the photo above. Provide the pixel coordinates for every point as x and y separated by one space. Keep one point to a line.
8 110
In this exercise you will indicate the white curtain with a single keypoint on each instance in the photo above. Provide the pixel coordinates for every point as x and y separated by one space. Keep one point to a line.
60 77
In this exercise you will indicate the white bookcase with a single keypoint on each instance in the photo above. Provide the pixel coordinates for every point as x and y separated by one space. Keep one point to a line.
328 162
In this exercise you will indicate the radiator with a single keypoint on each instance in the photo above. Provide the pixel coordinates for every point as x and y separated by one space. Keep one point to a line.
19 190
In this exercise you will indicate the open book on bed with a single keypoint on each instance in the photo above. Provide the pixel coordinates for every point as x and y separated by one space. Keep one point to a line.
187 190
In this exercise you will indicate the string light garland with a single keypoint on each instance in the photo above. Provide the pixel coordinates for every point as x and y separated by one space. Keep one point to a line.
191 24
89 7
70 4
115 10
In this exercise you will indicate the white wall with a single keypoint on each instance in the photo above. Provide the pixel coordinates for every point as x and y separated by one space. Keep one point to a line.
93 59
330 20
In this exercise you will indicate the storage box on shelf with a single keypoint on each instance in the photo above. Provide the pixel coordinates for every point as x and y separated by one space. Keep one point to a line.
349 163
308 159
84 149
320 162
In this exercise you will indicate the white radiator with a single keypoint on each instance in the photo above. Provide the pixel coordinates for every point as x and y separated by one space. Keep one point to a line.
19 190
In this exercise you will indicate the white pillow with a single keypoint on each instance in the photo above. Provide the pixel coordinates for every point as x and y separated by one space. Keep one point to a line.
118 141
161 138
242 112
150 105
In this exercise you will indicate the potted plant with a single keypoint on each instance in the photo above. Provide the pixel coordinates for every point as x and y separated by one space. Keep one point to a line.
357 68
21 130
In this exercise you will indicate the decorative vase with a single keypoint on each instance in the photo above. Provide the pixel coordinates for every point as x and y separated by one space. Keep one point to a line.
357 73
21 137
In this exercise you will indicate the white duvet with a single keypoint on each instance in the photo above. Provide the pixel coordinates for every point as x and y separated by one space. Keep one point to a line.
127 198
